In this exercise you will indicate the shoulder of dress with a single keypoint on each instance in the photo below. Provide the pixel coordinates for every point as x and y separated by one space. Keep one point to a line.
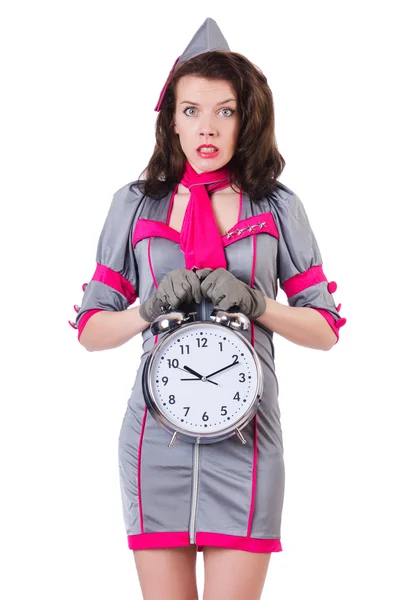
129 195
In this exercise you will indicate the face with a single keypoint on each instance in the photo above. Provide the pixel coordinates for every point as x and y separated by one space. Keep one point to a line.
206 116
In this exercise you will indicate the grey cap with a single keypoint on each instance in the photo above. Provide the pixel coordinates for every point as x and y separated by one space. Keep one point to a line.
207 38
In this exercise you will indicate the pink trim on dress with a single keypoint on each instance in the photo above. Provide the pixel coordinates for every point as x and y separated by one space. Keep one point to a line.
116 281
301 281
173 539
330 320
223 540
262 223
145 228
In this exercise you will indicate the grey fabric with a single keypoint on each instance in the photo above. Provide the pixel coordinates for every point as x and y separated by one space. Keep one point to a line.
157 481
207 38
115 252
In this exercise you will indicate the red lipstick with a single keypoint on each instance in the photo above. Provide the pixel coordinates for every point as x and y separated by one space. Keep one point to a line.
204 151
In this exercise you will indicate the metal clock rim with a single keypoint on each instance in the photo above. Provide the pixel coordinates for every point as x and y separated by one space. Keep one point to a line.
201 437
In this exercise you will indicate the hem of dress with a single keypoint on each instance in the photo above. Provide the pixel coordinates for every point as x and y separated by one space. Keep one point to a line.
173 539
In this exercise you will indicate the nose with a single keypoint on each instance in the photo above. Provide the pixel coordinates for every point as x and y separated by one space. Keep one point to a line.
207 128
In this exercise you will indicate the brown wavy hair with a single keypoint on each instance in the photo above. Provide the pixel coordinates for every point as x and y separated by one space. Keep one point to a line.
256 163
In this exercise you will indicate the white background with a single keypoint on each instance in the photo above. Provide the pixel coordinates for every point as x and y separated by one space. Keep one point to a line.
79 84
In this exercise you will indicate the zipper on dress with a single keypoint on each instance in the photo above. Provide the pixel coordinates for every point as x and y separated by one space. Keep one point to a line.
192 528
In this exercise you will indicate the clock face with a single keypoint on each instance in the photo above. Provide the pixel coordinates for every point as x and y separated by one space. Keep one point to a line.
204 378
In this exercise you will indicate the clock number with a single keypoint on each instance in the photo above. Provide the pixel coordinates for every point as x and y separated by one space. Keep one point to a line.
220 343
164 380
223 409
187 408
236 396
243 379
171 399
188 349
173 363
202 343
205 417
235 358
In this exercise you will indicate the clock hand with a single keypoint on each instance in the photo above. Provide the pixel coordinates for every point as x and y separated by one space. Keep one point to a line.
223 369
192 372
197 379
186 368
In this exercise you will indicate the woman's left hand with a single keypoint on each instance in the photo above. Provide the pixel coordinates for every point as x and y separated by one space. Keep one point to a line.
225 291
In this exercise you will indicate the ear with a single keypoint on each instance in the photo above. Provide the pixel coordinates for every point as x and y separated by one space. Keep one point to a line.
176 130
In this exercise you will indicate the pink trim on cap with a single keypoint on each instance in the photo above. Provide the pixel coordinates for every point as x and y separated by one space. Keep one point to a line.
162 94
83 321
301 281
115 281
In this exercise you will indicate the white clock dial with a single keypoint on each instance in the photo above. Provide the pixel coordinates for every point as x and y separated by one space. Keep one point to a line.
230 374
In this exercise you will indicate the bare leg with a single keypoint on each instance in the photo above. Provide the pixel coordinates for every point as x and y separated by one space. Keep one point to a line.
234 574
167 573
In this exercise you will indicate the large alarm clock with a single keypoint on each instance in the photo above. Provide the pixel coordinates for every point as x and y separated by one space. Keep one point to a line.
202 381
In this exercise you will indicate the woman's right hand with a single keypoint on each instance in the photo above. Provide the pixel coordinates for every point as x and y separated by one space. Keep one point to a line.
177 287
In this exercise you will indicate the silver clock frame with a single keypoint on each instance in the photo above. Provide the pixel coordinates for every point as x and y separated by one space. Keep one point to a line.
176 431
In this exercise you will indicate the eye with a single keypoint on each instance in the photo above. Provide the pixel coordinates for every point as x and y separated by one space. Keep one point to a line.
189 108
231 112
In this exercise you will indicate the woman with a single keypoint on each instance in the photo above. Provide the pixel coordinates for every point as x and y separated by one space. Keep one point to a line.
208 227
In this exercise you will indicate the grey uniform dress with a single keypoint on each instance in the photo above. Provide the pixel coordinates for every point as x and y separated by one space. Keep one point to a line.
224 494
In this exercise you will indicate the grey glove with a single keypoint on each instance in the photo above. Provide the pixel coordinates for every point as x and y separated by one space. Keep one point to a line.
176 287
226 291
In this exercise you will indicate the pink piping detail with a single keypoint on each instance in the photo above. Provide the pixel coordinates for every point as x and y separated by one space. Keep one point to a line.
144 423
72 324
339 307
84 286
83 321
301 281
255 457
76 308
116 281
241 206
139 467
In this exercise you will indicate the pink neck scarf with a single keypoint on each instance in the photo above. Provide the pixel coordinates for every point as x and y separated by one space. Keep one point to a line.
200 239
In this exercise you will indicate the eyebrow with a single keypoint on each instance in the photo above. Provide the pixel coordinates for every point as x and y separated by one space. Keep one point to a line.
197 104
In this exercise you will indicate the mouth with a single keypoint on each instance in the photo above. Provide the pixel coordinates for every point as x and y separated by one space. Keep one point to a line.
208 151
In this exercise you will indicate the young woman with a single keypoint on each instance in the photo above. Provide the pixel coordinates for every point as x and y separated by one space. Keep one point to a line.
209 226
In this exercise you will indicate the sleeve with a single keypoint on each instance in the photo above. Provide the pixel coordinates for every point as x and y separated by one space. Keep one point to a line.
299 261
115 283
